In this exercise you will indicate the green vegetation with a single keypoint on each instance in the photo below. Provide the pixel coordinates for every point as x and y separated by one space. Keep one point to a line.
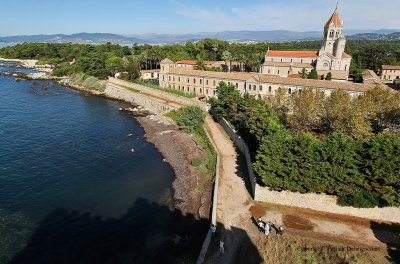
102 61
168 90
196 162
349 147
191 120
87 81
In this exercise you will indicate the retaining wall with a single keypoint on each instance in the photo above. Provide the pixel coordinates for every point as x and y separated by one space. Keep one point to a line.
157 93
155 105
314 201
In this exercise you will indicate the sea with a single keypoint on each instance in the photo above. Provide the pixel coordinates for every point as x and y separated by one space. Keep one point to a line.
72 190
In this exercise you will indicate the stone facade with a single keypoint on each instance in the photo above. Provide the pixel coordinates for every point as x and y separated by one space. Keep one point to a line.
260 85
330 58
390 73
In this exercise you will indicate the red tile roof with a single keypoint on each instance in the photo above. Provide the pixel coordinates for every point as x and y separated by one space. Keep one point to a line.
292 53
390 67
345 55
335 19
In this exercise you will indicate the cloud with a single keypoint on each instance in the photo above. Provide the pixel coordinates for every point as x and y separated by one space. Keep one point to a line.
296 15
214 17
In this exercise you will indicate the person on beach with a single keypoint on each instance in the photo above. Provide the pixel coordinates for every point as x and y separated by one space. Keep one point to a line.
221 247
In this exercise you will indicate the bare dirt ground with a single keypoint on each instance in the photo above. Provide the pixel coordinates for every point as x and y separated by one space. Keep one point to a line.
309 235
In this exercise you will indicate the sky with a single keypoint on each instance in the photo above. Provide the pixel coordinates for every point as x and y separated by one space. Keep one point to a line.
29 17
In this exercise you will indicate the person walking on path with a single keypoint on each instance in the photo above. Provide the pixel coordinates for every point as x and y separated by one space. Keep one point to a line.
213 231
221 247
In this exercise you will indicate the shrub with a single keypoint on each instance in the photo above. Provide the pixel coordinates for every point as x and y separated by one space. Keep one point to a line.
360 198
191 118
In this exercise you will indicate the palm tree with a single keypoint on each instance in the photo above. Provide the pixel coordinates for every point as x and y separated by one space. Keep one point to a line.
227 56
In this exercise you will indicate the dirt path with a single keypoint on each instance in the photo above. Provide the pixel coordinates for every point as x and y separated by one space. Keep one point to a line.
239 233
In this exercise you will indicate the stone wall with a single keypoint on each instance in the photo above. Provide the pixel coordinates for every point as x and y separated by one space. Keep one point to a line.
159 94
155 105
313 201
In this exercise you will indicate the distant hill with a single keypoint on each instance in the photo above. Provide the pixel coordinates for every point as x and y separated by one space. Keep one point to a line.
233 36
83 38
375 36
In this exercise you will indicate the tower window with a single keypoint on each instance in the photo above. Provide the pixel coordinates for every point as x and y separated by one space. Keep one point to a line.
331 34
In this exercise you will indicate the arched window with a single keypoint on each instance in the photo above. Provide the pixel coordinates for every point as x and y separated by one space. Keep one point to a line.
270 89
194 80
201 82
254 87
201 90
331 34
281 60
260 87
290 91
237 85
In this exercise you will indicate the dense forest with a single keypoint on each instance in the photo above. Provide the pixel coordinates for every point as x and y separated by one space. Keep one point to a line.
104 60
309 142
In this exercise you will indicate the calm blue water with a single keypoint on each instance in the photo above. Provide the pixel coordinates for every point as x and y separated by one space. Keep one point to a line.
70 188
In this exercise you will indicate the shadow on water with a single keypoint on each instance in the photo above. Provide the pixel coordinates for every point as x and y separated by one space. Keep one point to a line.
390 235
147 233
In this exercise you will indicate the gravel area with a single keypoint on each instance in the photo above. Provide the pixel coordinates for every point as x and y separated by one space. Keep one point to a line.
179 149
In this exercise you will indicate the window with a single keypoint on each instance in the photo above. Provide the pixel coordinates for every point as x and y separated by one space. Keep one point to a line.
288 72
206 82
291 60
281 60
214 82
179 79
269 71
201 90
237 85
163 78
254 87
187 89
270 89
260 88
201 82
214 92
278 71
206 91
173 78
163 68
331 34
301 60
194 80
188 80
152 75
290 91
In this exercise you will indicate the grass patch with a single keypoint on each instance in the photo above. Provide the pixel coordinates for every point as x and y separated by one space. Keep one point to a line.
199 188
168 90
174 115
131 89
197 161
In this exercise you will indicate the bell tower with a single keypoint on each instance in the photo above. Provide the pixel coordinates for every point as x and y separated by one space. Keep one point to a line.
333 31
